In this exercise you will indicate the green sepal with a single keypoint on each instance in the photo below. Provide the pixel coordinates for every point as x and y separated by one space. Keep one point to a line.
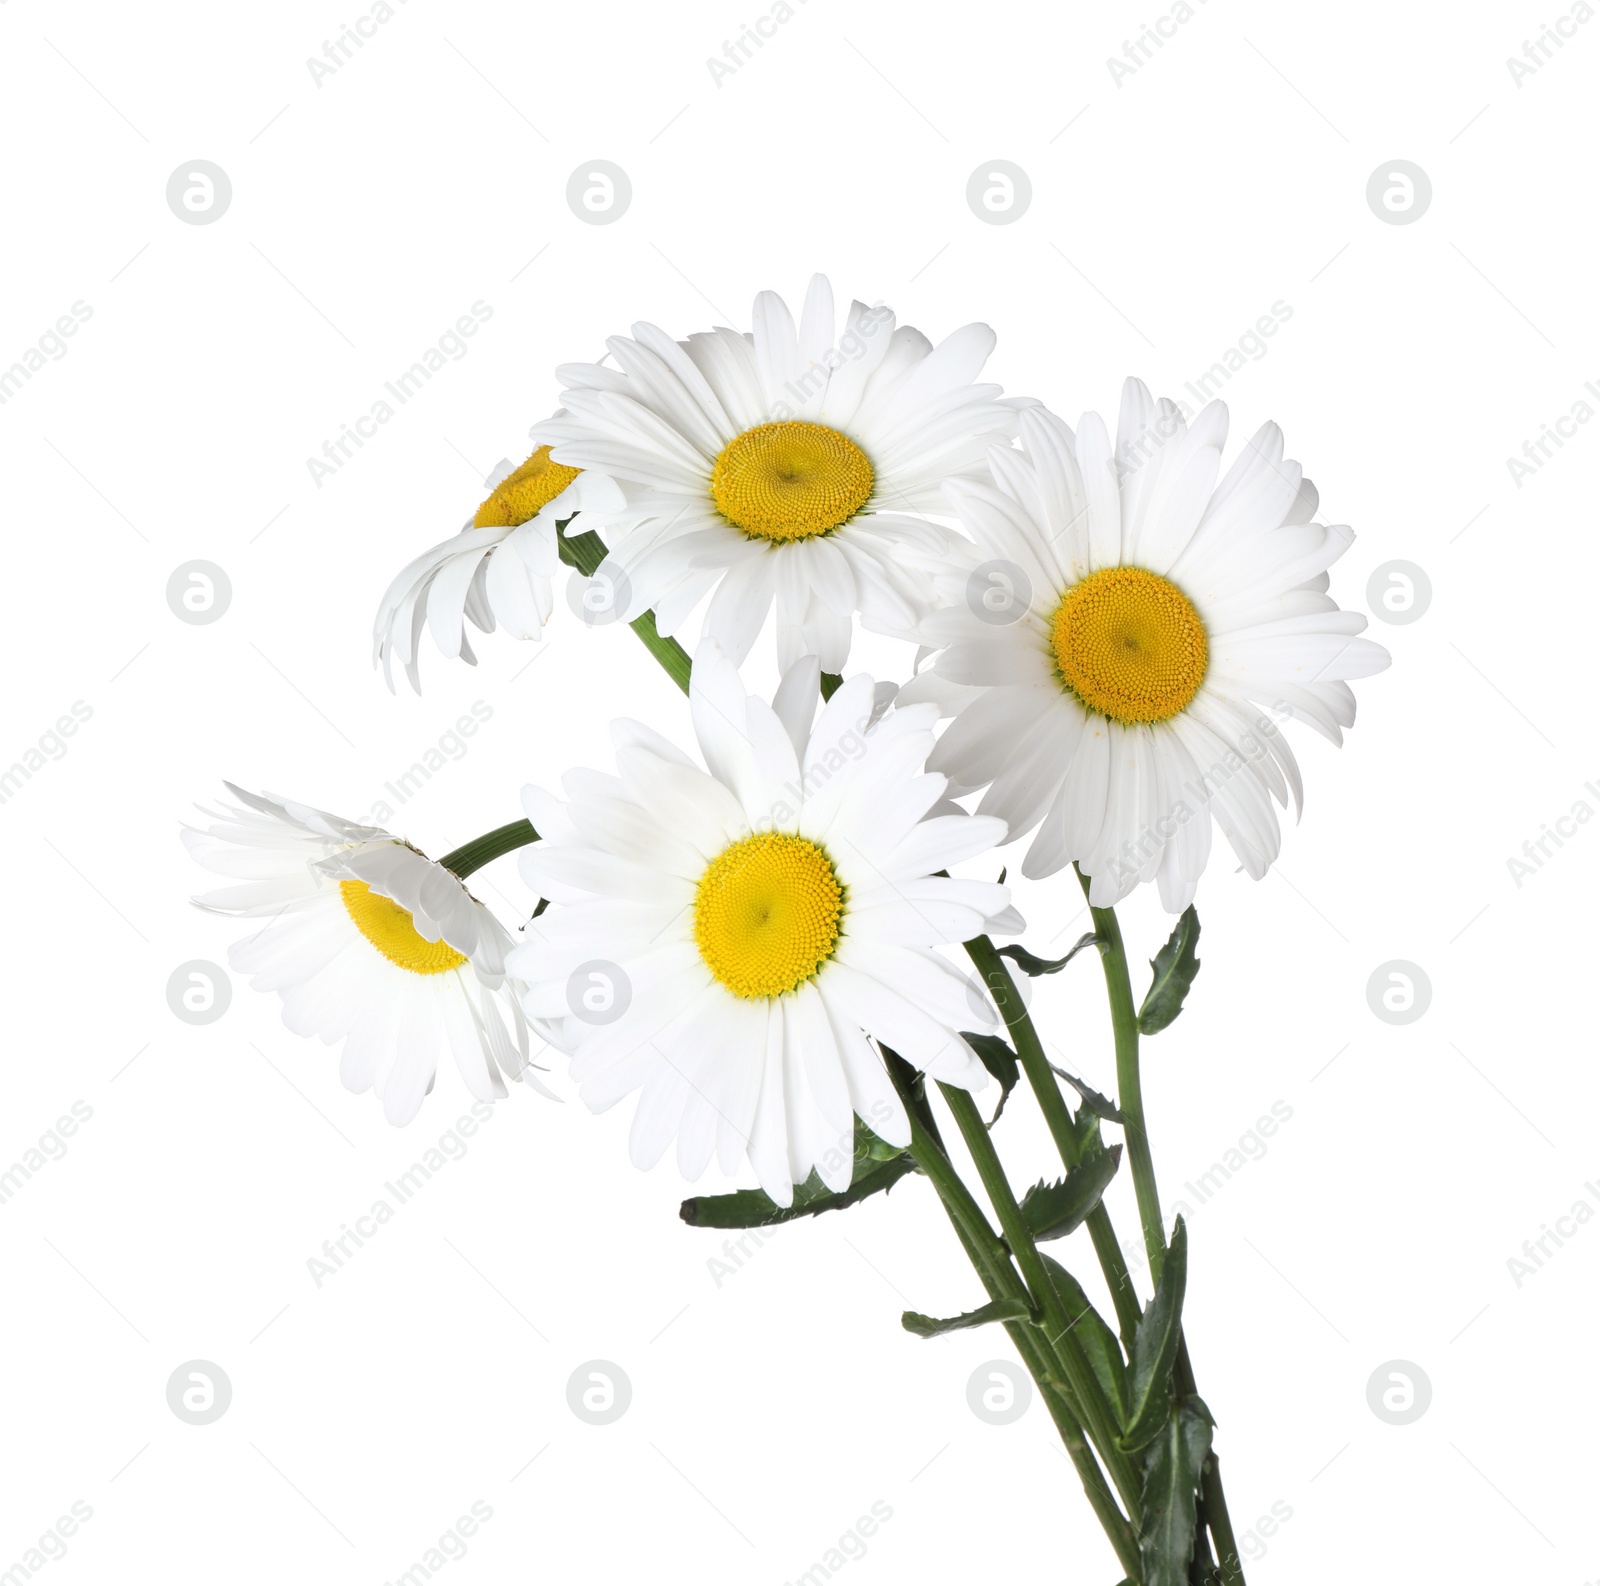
1002 1310
1155 1347
1054 1210
1173 971
1172 1467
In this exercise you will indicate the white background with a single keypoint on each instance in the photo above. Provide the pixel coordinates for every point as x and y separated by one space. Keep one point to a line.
1169 212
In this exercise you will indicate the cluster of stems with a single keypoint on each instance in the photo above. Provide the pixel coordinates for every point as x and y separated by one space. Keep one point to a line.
1007 1260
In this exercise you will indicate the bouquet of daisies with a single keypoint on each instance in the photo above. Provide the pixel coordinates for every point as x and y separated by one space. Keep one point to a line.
761 936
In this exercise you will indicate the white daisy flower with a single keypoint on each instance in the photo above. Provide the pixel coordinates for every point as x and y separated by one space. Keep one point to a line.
498 569
782 466
755 926
367 942
1127 637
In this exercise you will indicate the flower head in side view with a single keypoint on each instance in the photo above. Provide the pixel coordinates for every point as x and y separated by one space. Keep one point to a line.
783 466
497 570
1127 637
370 943
752 927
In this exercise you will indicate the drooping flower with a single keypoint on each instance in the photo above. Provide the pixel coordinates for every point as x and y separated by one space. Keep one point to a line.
1126 638
370 943
730 941
787 465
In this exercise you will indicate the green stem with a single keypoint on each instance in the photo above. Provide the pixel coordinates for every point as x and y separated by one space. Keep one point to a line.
586 552
474 855
1086 1389
1058 1117
989 1259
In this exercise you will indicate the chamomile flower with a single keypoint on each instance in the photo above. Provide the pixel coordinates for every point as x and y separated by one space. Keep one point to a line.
730 941
1126 638
370 943
787 466
497 570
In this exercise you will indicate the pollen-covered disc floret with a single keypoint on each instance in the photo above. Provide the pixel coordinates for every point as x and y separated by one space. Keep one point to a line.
369 943
496 572
767 913
1129 644
790 481
730 941
793 466
1155 629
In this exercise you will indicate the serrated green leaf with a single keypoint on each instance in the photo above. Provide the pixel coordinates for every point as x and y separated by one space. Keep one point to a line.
1053 1210
1155 1347
1045 966
1173 970
1099 1343
1171 1477
1101 1106
1006 1310
996 1056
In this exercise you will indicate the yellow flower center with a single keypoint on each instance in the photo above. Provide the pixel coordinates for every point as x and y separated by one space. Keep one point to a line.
1130 645
524 491
388 927
790 481
767 914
